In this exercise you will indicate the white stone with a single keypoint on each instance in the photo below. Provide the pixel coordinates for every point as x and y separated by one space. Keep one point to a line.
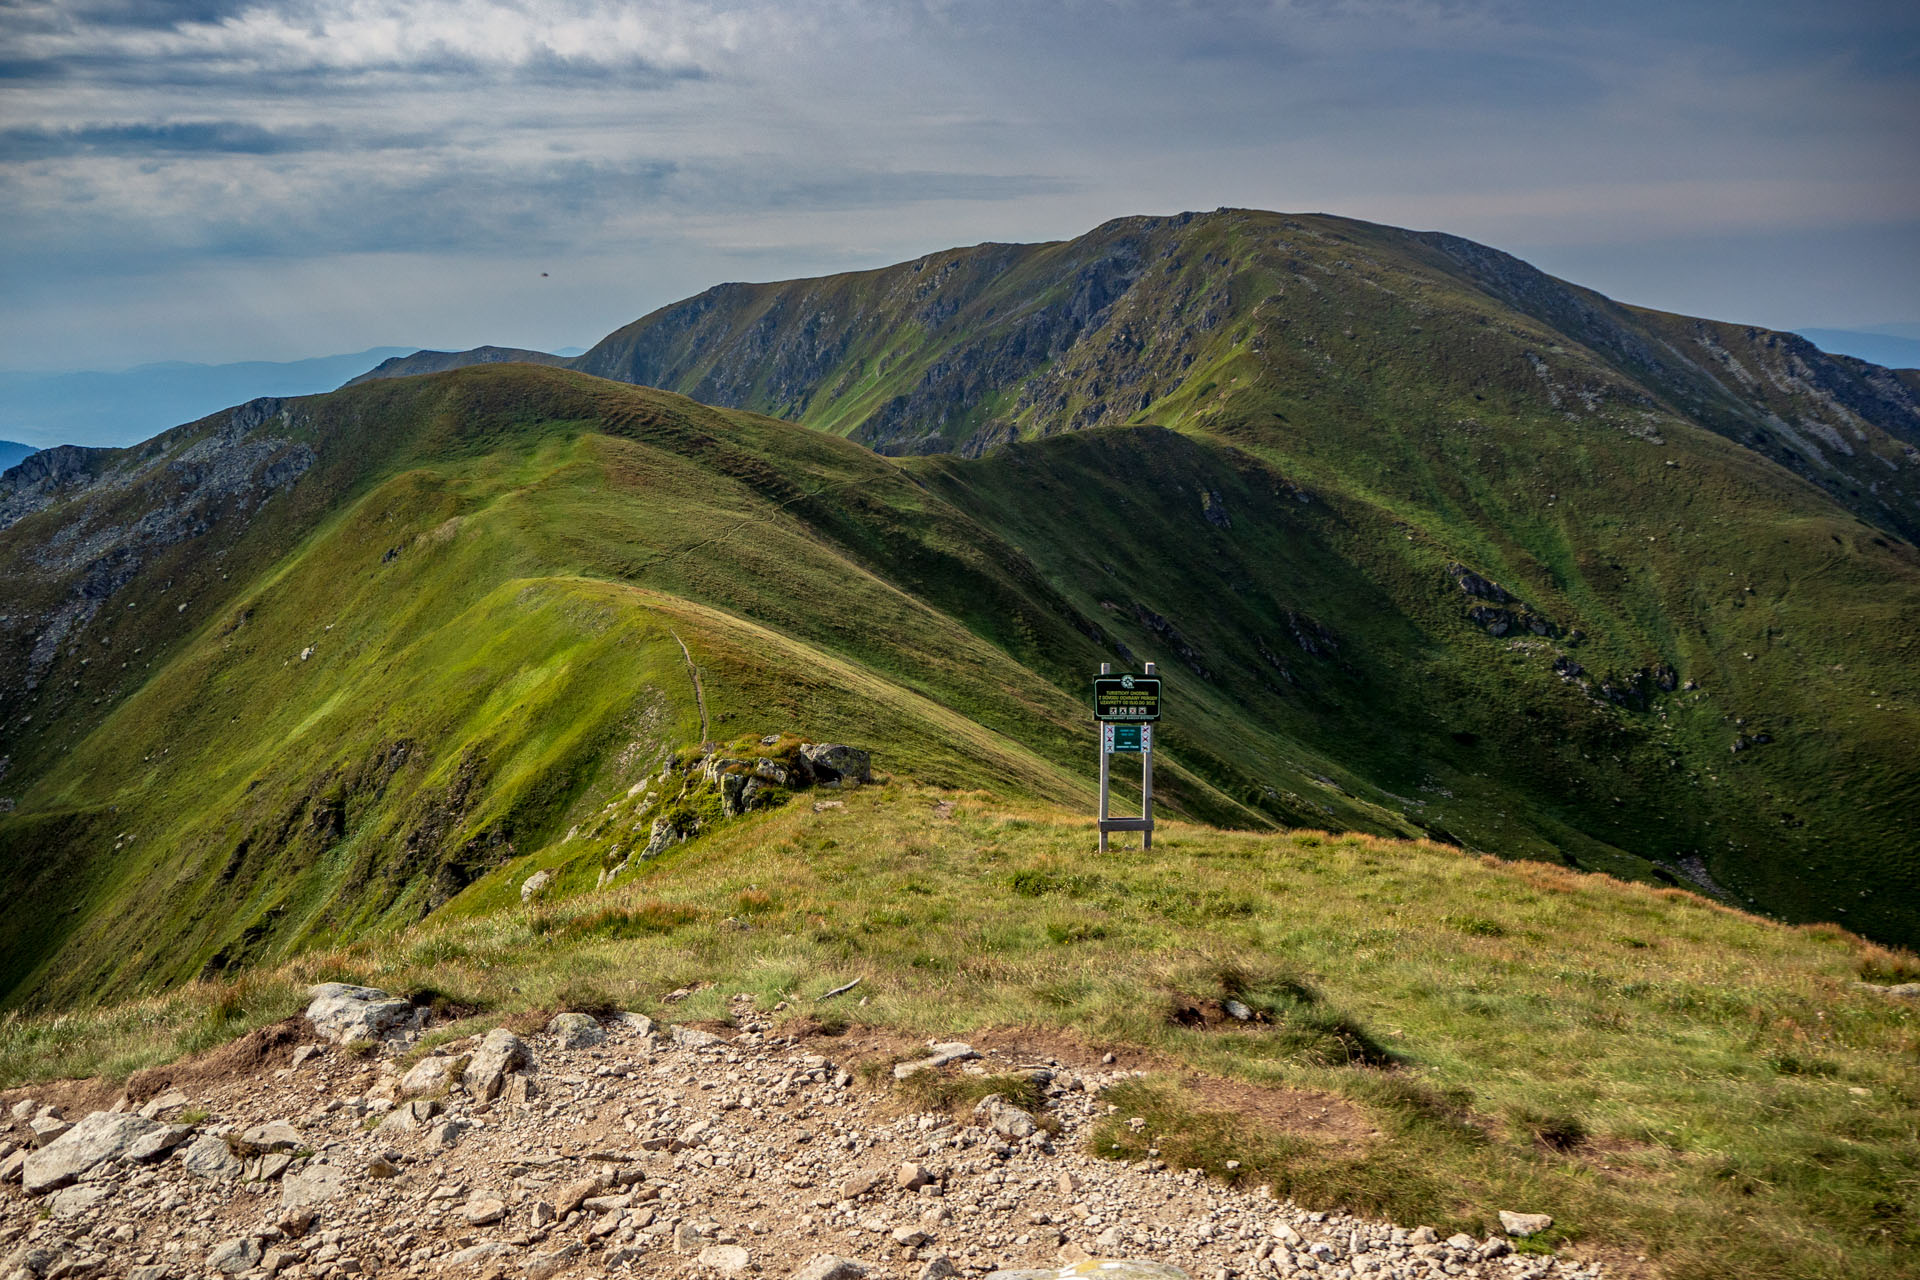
1524 1224
342 1012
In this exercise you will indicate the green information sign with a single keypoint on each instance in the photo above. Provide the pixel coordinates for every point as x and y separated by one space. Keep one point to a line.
1126 698
1126 737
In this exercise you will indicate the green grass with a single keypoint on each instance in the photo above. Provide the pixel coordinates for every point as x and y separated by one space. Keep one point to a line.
1648 481
1659 1073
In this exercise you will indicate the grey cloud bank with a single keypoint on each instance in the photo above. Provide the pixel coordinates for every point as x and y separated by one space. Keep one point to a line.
221 181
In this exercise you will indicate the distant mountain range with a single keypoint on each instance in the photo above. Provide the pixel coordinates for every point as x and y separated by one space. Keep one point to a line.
11 451
99 409
121 408
1897 346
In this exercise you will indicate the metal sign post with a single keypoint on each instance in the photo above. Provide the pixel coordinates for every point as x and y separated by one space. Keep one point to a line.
1126 707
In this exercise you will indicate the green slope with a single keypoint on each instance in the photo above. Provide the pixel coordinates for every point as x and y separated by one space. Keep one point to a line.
1413 559
1675 500
467 633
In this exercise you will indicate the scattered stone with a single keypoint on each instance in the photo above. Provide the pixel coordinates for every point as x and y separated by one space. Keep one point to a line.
157 1145
499 1053
575 1194
314 1185
78 1201
47 1129
700 1156
727 1259
483 1211
1001 1116
409 1117
534 885
542 1265
941 1056
275 1135
235 1256
170 1101
342 1012
433 1074
576 1030
1524 1224
1237 1010
468 1261
827 1266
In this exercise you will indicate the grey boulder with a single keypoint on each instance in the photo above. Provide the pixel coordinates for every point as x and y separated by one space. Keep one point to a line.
100 1136
342 1012
576 1030
211 1157
500 1053
834 762
313 1185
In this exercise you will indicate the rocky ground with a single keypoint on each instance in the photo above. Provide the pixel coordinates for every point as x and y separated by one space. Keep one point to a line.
614 1146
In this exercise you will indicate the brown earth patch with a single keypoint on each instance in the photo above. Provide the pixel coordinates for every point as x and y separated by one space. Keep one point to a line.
75 1098
1308 1113
1619 1261
252 1054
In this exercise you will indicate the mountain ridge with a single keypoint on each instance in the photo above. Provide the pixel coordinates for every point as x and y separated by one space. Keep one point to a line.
773 347
345 656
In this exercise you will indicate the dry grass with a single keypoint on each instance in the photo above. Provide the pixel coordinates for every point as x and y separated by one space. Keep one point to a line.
1654 1070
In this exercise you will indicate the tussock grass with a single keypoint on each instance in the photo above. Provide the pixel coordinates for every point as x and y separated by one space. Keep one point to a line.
1657 1072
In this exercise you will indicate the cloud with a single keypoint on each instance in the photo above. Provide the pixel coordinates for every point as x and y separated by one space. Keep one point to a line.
349 38
202 139
165 138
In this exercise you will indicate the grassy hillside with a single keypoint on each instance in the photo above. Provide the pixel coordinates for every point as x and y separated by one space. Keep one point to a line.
1706 529
408 632
1438 1035
478 615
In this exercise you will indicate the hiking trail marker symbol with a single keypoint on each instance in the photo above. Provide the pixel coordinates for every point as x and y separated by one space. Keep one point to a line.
1126 707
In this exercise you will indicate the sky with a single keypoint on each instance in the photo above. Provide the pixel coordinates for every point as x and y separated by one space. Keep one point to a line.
220 180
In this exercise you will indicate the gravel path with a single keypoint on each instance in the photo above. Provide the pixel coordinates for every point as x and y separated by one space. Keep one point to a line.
653 1151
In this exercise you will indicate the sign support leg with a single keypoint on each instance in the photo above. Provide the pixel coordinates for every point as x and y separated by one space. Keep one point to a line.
1100 745
1146 798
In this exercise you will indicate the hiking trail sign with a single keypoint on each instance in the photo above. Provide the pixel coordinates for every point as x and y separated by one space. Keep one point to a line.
1126 707
1133 698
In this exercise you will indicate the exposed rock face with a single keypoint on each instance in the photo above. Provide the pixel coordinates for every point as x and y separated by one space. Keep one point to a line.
832 762
140 502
